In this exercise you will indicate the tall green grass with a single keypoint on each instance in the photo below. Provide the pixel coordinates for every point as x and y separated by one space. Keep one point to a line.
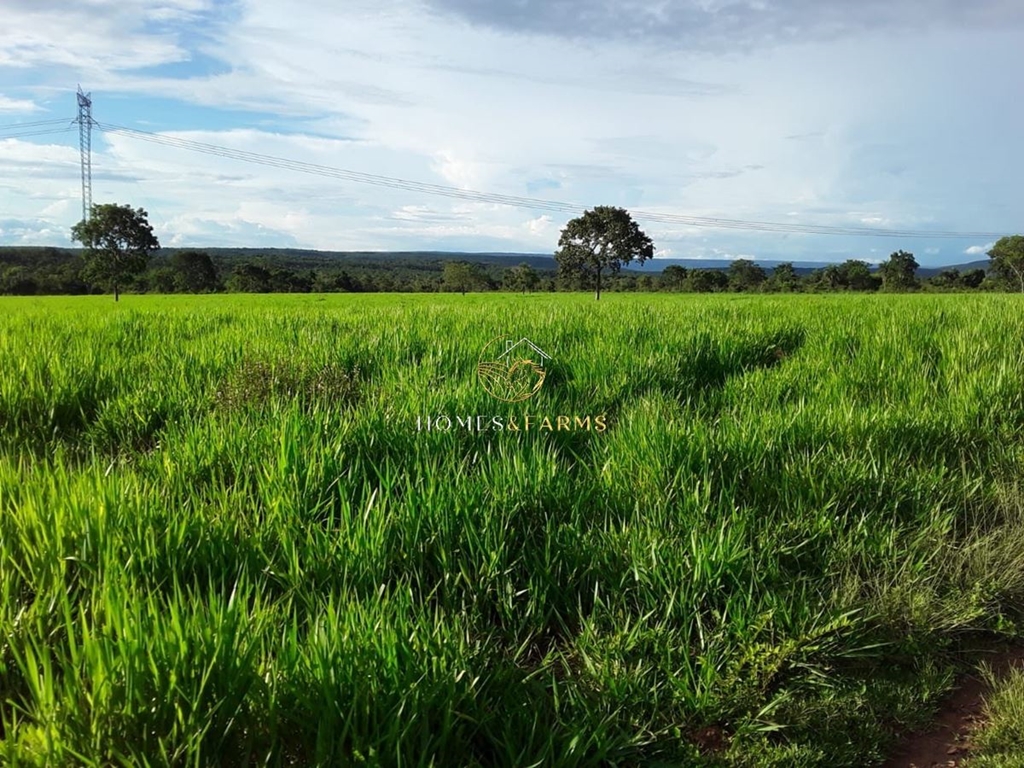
223 540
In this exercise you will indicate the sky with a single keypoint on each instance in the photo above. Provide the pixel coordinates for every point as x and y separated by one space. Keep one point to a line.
895 114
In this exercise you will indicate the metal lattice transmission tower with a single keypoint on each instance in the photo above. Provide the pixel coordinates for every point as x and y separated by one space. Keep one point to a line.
85 124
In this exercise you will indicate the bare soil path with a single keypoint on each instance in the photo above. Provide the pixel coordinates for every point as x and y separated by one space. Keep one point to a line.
947 743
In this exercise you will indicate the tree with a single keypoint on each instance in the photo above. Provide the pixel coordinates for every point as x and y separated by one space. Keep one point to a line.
250 278
898 273
947 280
851 275
745 275
462 276
162 280
601 240
955 280
346 282
1007 257
522 277
707 281
427 285
625 283
972 278
672 278
17 281
784 278
290 281
194 271
117 241
856 275
829 278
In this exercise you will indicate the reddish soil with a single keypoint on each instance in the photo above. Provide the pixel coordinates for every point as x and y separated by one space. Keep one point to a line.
947 743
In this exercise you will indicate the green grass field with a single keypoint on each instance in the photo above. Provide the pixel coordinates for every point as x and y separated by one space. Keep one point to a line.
223 540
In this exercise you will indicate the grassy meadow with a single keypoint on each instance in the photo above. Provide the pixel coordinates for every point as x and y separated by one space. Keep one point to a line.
223 540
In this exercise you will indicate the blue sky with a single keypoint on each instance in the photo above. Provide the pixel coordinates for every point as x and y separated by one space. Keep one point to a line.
900 114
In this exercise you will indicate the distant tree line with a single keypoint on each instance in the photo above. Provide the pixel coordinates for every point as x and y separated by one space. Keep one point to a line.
121 253
30 271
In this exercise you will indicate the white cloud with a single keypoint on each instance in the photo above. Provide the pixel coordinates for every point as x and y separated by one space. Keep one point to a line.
420 97
710 25
8 104
426 213
56 209
31 232
190 231
541 226
978 250
95 36
457 171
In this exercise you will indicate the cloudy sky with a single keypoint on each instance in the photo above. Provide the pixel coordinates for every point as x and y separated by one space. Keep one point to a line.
898 114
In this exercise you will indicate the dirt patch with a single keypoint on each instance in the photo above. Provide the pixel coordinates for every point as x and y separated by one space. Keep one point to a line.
948 742
711 740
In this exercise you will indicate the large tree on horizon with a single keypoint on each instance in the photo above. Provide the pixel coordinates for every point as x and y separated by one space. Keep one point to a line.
601 241
1007 257
899 273
117 241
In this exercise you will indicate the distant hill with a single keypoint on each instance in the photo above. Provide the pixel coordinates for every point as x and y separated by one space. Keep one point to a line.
294 258
931 271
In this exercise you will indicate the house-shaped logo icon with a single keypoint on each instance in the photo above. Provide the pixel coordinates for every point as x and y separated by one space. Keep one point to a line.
515 350
512 370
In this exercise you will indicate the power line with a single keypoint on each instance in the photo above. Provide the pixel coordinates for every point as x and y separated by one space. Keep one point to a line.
523 202
43 132
340 173
36 123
